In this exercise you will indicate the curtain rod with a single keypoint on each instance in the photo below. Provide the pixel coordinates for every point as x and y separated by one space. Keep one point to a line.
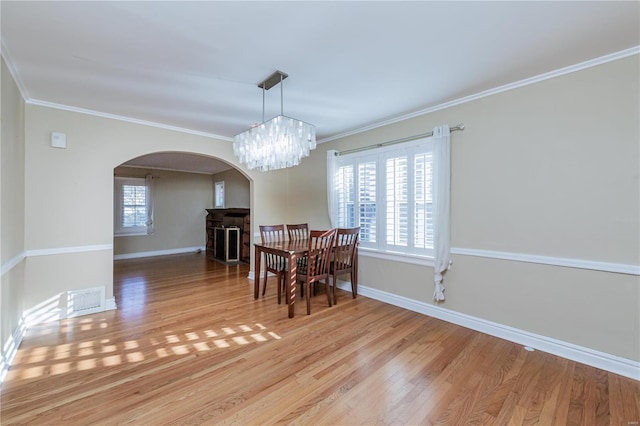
393 142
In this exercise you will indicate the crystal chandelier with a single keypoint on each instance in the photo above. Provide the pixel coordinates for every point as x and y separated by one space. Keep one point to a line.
278 143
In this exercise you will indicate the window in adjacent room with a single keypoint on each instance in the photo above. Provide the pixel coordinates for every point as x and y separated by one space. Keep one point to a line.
387 192
133 212
219 195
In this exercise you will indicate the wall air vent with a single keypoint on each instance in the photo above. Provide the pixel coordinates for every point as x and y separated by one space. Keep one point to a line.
85 301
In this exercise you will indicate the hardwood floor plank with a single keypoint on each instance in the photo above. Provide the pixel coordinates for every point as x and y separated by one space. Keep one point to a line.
547 383
576 415
494 374
392 371
513 359
630 395
548 406
189 344
564 394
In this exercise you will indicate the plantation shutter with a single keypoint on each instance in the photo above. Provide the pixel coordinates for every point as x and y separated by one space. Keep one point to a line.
367 201
345 189
397 194
423 201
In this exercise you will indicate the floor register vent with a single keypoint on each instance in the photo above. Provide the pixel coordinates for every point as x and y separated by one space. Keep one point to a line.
85 301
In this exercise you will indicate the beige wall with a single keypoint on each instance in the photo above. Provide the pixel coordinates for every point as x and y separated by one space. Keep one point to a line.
549 169
13 163
236 189
180 200
69 192
12 224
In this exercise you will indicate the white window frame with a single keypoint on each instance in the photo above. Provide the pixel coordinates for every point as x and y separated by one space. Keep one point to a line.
118 229
219 195
381 247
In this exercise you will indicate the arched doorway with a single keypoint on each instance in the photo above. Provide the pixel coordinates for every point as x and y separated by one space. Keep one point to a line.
182 187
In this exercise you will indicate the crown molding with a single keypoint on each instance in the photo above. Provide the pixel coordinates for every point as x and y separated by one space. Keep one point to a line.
510 86
169 169
126 119
4 52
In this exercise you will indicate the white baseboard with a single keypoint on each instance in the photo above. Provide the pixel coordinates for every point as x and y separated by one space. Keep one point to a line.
10 348
250 276
159 253
612 363
110 304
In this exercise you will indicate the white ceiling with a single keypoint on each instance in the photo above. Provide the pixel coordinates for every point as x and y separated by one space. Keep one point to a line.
351 65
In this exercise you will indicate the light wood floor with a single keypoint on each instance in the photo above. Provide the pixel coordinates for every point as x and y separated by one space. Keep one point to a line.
189 345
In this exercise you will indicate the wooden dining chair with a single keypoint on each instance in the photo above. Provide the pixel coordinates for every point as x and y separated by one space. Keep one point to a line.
317 265
344 258
274 263
298 231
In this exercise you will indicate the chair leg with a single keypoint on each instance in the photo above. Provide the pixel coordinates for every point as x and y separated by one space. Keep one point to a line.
279 288
354 289
335 293
327 290
308 298
264 289
285 294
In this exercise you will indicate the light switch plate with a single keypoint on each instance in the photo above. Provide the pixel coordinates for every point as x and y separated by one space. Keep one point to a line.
58 140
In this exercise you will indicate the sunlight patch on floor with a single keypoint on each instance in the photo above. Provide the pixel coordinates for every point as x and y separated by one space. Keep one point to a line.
87 364
61 368
240 340
131 344
135 357
99 353
112 360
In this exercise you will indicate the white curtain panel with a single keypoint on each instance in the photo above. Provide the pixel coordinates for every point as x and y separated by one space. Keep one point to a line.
149 183
332 160
441 207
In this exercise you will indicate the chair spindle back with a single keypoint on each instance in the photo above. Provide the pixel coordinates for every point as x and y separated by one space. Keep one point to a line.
274 263
271 233
346 242
344 258
320 248
298 231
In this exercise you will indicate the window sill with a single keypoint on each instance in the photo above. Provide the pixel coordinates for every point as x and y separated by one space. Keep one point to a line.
130 234
396 257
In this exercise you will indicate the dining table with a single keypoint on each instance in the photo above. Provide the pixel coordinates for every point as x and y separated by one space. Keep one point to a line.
290 250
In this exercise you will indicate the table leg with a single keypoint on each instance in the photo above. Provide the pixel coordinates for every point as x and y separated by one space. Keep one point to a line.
256 273
291 284
355 273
